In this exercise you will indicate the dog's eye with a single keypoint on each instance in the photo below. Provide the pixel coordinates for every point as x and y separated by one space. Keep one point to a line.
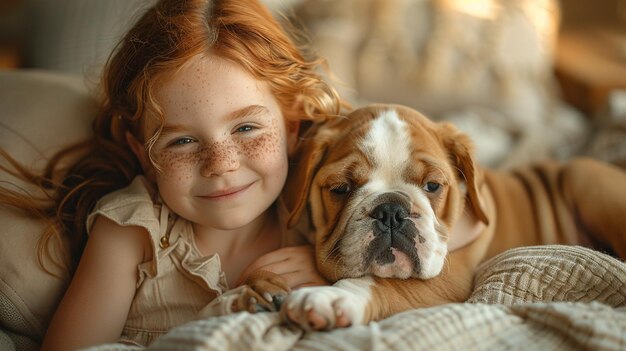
432 187
340 189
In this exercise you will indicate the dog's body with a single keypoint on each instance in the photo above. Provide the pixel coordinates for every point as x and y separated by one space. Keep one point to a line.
400 215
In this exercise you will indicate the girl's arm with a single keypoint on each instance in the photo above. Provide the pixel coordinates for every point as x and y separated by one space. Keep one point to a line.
96 303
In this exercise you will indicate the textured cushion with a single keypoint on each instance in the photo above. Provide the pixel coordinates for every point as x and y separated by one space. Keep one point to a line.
39 112
551 273
533 298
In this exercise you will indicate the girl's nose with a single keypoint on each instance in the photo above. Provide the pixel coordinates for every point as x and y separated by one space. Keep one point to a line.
219 159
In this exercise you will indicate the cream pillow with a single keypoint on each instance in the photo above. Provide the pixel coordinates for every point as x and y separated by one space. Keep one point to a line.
39 113
486 65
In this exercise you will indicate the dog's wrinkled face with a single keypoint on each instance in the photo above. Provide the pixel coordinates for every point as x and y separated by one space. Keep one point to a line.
382 188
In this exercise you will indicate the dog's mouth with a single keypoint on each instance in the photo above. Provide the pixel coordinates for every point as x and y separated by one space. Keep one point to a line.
393 248
387 235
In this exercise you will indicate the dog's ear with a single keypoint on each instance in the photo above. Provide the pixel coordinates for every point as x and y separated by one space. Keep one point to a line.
303 166
460 148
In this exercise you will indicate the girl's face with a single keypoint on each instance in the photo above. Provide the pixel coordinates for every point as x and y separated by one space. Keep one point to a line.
223 150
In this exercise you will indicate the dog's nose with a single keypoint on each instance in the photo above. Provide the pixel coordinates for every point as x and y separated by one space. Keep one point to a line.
391 215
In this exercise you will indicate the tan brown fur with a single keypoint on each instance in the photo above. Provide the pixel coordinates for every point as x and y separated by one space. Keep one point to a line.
582 202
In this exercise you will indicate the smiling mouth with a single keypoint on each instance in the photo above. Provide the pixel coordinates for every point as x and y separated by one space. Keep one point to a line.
227 193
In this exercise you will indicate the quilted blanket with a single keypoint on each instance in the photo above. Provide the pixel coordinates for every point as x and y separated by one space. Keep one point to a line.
533 298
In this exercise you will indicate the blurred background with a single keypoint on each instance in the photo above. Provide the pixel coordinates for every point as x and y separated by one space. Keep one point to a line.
527 79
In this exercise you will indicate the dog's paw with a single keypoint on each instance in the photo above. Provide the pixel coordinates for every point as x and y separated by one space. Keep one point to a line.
324 308
263 292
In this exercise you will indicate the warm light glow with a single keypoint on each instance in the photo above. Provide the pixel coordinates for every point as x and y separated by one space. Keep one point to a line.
544 15
477 8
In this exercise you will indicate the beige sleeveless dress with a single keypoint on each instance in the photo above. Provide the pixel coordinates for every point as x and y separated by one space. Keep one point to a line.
178 282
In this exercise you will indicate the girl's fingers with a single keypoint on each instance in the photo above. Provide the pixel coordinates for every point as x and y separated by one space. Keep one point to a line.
288 266
301 279
295 254
281 261
312 283
278 267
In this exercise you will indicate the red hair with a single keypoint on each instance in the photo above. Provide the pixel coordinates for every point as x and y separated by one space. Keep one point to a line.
163 39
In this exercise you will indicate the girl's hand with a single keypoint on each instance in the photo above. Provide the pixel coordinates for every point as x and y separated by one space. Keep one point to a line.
296 265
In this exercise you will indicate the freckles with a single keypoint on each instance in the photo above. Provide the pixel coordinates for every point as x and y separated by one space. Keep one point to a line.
265 146
220 153
177 165
181 166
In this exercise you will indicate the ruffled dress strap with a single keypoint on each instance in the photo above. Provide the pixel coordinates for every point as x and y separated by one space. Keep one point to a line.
178 281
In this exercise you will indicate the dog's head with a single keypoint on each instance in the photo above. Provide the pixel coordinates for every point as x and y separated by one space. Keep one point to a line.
381 189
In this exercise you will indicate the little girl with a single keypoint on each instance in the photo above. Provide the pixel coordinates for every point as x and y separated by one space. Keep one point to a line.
202 105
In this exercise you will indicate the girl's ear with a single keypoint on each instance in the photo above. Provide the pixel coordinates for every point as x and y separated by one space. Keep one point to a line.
140 152
292 136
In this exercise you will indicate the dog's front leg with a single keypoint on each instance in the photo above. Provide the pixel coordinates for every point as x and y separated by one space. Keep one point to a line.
390 296
358 301
343 304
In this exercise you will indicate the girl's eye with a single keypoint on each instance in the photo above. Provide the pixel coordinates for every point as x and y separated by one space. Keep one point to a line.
245 128
183 141
432 187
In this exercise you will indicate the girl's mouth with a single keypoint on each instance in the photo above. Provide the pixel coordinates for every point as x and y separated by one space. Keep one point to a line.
227 193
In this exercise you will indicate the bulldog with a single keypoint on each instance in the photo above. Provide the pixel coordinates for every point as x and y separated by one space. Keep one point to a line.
401 215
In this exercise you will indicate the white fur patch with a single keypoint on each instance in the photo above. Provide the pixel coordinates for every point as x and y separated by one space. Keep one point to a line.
387 143
346 298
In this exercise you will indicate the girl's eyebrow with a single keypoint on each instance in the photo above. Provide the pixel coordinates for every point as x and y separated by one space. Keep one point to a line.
171 128
248 111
